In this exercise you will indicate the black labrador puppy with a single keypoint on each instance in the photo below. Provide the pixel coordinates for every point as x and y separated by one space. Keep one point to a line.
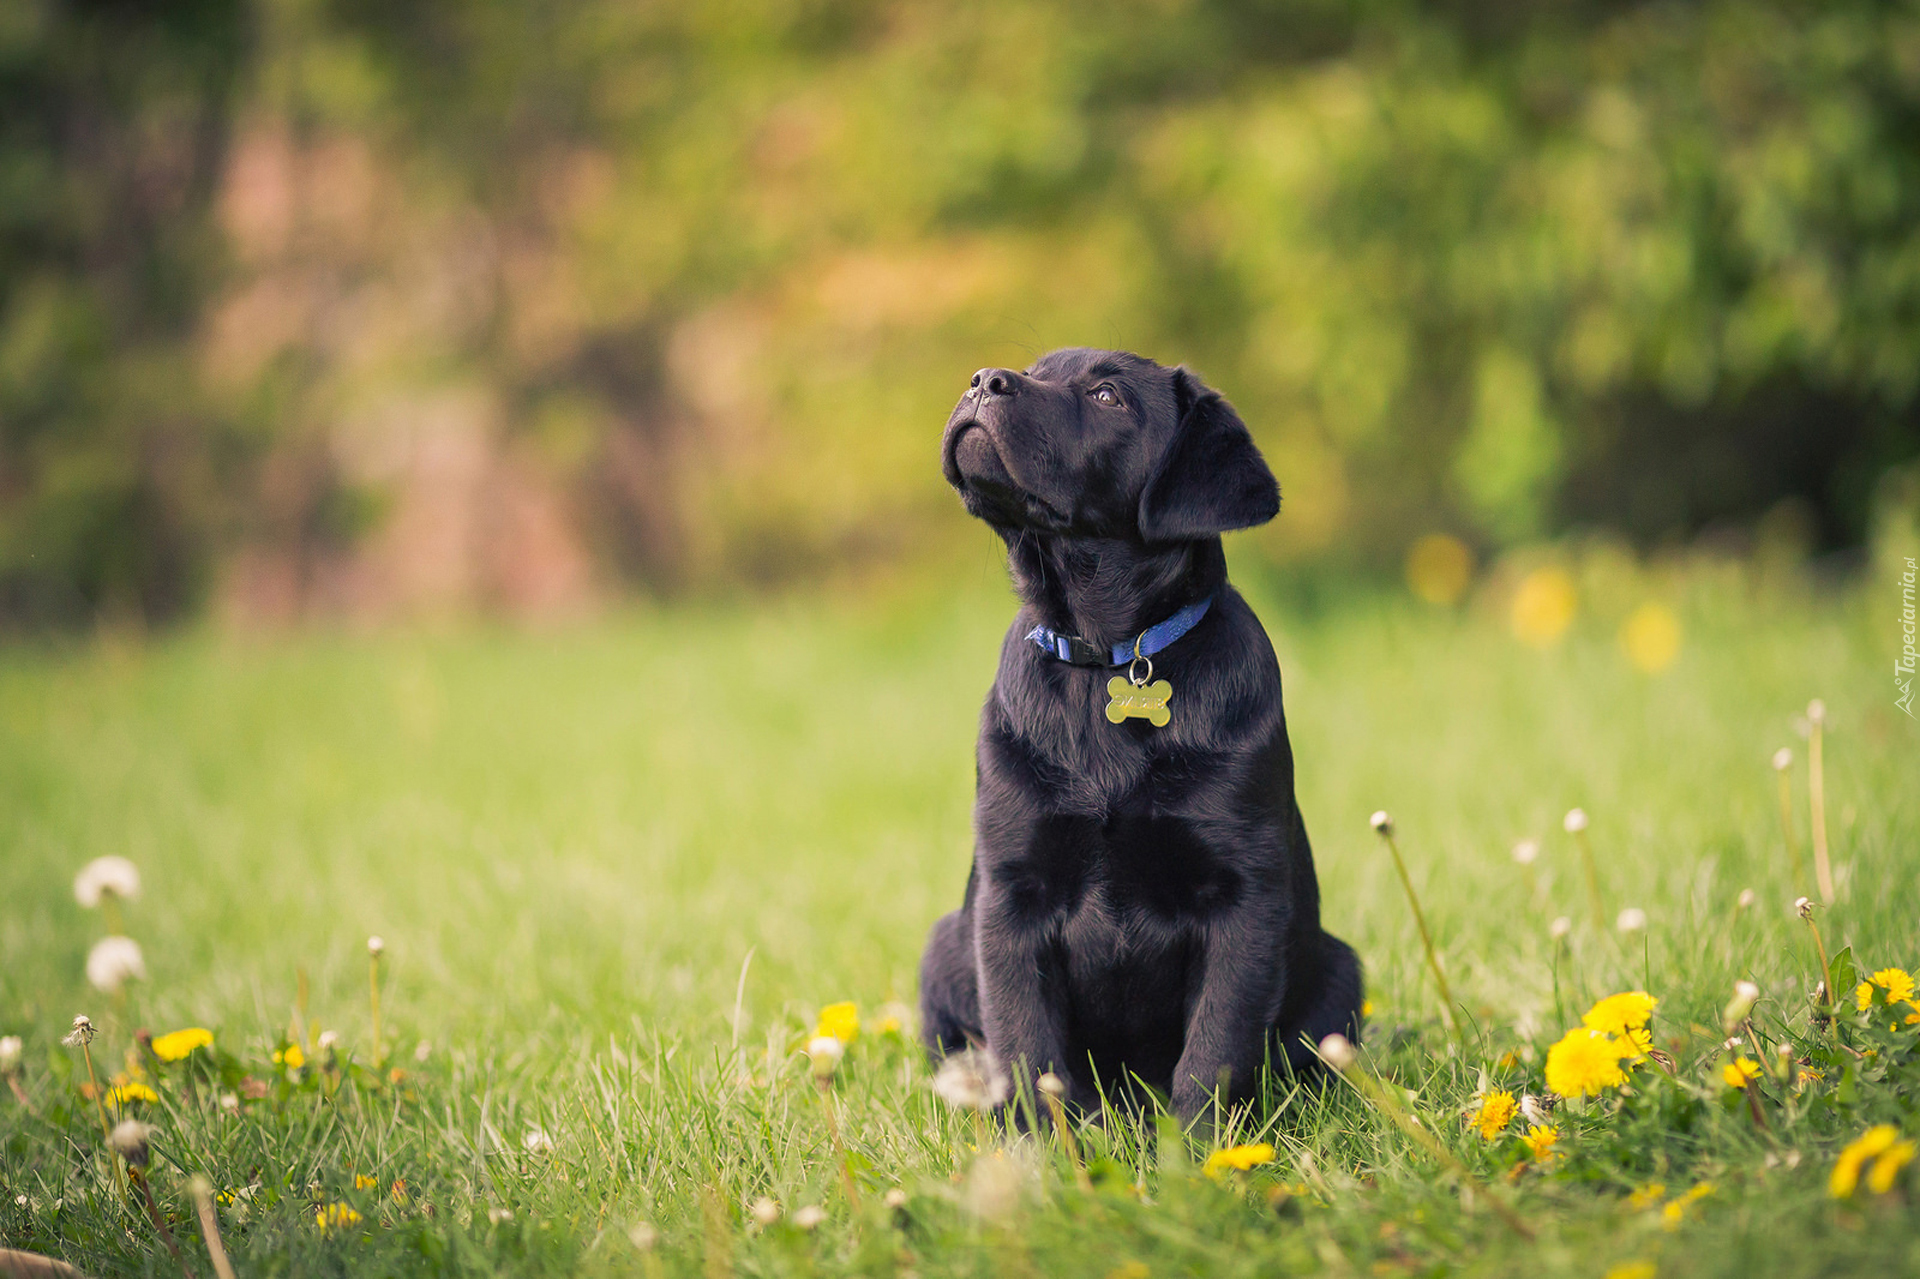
1142 901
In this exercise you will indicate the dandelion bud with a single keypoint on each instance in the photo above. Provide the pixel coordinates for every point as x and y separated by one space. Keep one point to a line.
1816 711
376 946
1783 759
896 1199
1803 907
1560 929
1381 823
82 1033
1745 994
825 1052
810 1216
129 1140
113 960
1337 1051
643 1236
1526 852
765 1211
1746 899
1052 1085
9 1054
1575 821
1631 920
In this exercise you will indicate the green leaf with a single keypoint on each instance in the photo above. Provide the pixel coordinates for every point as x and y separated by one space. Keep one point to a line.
1842 977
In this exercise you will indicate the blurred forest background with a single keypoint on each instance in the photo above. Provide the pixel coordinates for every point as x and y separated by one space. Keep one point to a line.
320 308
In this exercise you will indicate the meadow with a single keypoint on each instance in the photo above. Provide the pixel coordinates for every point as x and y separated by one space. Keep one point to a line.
620 867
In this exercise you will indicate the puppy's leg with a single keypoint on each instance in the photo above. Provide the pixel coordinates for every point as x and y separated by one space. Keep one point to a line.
1334 1010
949 990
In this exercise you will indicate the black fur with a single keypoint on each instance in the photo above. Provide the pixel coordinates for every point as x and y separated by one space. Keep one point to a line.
1142 900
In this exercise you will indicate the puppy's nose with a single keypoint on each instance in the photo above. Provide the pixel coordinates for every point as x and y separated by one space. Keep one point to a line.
991 382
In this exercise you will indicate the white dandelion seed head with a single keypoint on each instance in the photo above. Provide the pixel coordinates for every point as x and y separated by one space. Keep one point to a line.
1816 711
19 1201
376 946
10 1049
995 1185
643 1236
328 1041
423 1050
1527 852
1783 759
103 875
825 1052
129 1140
1534 1109
113 961
765 1211
536 1142
230 1102
1561 928
972 1080
1631 920
1337 1051
1746 899
1052 1085
1575 821
82 1032
496 1215
896 1199
1803 907
1381 822
810 1216
1745 995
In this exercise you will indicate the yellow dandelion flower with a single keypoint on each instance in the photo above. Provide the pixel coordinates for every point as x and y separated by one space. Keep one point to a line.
1897 982
363 1182
1239 1158
1648 1195
1540 1139
291 1057
1586 1061
125 1093
1913 1018
336 1217
1651 638
1495 1113
1366 1008
1739 1071
839 1021
1871 1144
1675 1212
1618 1014
1633 1270
176 1044
1888 1165
1439 568
1543 607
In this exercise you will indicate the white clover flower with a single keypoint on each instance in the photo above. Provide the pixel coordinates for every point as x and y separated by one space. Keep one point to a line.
765 1211
1631 920
1337 1051
1527 852
536 1142
113 960
1575 821
1381 822
10 1048
1561 928
114 875
810 1216
972 1080
1783 759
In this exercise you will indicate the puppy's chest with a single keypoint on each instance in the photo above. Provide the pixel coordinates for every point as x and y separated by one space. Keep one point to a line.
1124 871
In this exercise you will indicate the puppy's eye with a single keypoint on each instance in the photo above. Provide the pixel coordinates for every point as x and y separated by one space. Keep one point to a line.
1107 395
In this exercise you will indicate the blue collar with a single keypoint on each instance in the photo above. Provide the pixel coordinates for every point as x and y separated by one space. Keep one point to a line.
1073 649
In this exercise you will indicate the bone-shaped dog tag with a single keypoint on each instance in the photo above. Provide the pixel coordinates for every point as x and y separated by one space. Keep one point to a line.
1142 701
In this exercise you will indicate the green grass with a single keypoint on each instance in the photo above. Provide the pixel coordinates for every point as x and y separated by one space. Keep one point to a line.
574 842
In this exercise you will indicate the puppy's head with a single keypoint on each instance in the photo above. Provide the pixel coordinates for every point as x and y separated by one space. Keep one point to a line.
1105 444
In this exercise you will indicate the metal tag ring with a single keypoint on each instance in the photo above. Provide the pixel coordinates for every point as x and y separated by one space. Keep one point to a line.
1139 681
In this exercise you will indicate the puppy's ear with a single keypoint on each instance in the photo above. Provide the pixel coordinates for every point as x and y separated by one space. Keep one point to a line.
1213 478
